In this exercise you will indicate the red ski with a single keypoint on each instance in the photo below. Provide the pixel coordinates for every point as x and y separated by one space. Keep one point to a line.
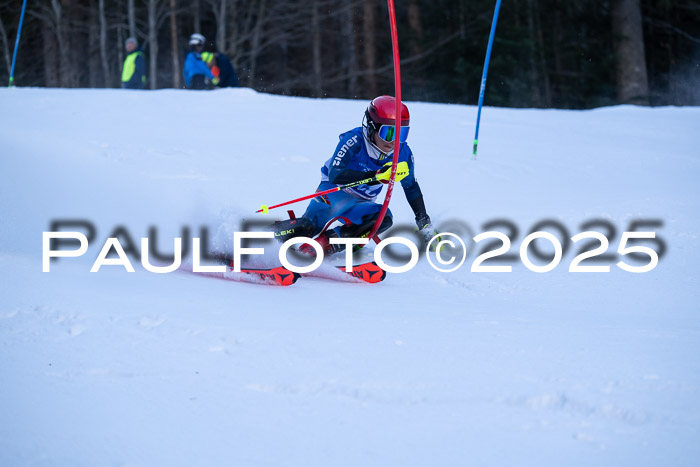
272 276
368 272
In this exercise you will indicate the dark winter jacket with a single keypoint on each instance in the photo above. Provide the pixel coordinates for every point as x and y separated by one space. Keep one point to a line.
227 74
134 70
222 68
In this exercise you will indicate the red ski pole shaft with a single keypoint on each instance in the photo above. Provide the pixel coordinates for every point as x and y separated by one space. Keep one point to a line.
265 209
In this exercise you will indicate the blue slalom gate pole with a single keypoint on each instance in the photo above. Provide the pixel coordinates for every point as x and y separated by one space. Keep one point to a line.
483 75
14 55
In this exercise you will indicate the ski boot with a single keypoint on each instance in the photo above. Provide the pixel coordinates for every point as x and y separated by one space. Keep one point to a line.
349 230
324 240
290 228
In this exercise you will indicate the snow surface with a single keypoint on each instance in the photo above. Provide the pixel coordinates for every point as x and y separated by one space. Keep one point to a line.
426 368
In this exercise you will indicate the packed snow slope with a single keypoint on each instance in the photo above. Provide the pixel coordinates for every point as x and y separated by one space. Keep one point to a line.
427 368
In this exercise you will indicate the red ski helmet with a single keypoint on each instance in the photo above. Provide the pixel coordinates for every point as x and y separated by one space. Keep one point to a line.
382 111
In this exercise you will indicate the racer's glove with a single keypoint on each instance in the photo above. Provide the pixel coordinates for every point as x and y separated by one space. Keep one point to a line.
215 81
384 174
427 231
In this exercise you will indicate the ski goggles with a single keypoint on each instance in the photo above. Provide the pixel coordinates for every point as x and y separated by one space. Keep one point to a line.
388 132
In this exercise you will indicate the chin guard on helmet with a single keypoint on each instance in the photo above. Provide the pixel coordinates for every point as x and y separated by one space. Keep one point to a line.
370 126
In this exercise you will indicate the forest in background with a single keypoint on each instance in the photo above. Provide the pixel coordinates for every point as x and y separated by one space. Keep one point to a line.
547 53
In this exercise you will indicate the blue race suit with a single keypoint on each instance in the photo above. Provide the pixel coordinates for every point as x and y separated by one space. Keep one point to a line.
355 154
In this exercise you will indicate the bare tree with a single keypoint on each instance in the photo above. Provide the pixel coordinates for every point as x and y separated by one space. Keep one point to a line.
64 73
174 50
630 59
153 41
120 48
255 43
5 47
268 30
416 26
232 45
349 57
370 48
196 19
316 38
157 12
50 58
59 71
103 43
416 44
90 52
220 10
541 56
533 65
131 17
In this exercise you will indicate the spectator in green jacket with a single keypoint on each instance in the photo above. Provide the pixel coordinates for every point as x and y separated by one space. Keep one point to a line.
134 70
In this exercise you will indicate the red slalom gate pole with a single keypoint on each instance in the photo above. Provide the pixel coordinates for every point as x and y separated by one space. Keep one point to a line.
397 137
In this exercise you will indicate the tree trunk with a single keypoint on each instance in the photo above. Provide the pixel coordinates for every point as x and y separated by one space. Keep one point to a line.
356 45
416 26
535 82
630 60
152 43
103 45
5 48
221 26
544 73
284 66
50 57
232 47
174 49
349 56
90 56
557 44
316 51
370 47
120 51
131 13
255 43
196 20
417 75
64 72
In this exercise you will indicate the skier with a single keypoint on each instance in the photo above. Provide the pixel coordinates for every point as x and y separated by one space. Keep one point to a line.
197 73
362 153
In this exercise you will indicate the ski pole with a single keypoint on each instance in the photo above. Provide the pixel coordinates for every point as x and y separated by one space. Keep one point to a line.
265 209
482 89
14 55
